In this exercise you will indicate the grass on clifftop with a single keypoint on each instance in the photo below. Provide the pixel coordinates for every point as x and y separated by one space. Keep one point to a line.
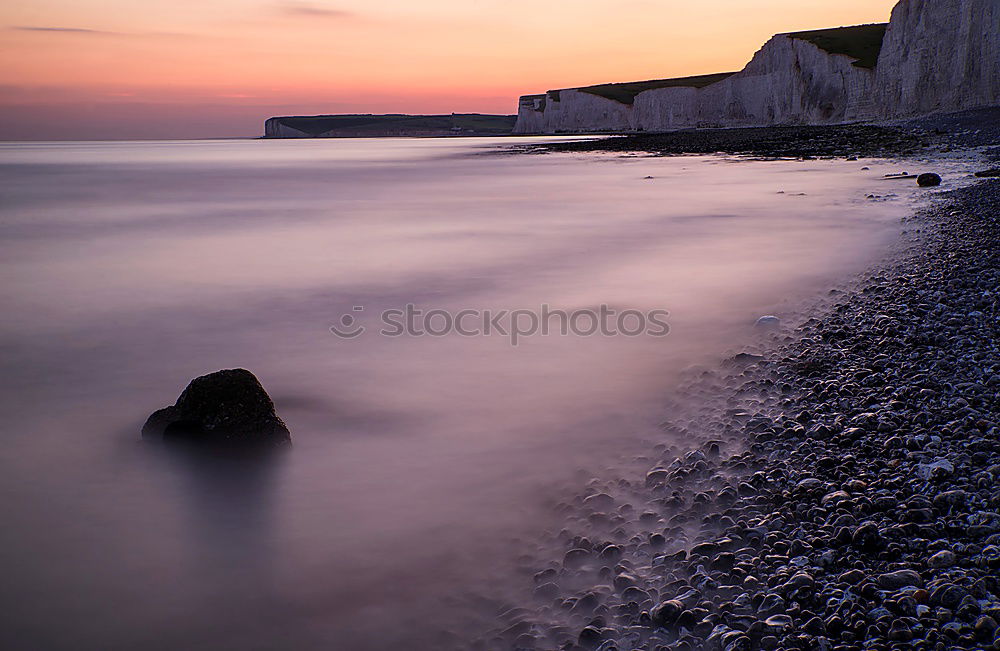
861 42
626 92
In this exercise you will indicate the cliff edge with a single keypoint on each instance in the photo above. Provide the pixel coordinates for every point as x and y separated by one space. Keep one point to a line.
933 56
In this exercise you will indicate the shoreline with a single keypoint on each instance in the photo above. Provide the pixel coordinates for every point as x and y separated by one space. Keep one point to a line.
934 135
846 489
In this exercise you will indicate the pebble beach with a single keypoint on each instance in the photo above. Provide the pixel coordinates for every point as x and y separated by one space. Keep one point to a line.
843 489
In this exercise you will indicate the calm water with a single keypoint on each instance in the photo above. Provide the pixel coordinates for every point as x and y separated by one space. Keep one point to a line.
130 268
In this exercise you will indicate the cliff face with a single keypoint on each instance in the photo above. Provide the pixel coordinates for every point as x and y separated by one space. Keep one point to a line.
789 81
664 109
531 114
935 55
939 55
276 128
574 110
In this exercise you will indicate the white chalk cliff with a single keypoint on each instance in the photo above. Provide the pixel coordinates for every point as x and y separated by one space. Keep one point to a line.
934 56
939 55
788 81
571 110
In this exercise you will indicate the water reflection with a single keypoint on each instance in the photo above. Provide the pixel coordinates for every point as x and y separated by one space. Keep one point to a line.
228 498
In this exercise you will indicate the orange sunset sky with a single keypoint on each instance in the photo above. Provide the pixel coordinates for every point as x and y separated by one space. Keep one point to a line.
93 69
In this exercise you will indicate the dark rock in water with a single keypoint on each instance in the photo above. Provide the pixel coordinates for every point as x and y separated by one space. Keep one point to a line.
928 180
989 174
224 408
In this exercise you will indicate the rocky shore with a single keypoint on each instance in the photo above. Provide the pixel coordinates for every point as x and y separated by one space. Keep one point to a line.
840 492
913 137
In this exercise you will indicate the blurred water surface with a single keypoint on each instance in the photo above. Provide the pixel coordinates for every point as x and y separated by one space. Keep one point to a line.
129 268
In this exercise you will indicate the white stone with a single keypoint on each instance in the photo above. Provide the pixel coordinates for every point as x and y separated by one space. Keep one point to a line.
768 322
927 470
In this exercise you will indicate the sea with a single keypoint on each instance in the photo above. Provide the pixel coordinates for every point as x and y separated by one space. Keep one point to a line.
390 295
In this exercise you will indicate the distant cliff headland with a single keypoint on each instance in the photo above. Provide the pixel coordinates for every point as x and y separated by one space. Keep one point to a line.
374 126
933 56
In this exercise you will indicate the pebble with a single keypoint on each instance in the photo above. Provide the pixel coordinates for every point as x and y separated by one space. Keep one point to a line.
778 623
939 469
942 559
900 579
900 631
799 581
667 612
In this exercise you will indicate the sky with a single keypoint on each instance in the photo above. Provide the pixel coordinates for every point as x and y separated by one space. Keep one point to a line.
121 69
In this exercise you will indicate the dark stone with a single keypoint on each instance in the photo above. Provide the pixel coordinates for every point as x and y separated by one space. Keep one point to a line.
947 595
745 358
778 623
590 636
666 613
942 559
989 174
576 558
688 619
815 626
868 538
723 562
928 180
223 408
900 632
900 579
986 627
